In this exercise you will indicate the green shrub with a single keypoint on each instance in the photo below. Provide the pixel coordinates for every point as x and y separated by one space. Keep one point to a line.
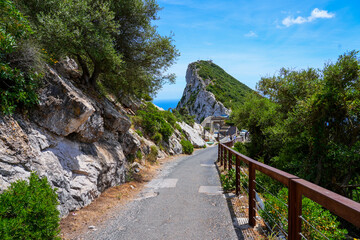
139 154
139 132
136 120
177 126
187 147
154 122
169 117
152 156
147 97
324 221
240 147
157 138
183 115
18 88
28 210
228 180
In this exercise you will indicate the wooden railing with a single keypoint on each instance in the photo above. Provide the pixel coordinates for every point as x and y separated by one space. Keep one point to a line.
337 204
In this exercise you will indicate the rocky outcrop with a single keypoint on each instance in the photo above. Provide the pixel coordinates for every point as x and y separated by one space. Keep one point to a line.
192 135
80 144
197 99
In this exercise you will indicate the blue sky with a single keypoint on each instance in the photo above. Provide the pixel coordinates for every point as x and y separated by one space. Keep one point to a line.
251 39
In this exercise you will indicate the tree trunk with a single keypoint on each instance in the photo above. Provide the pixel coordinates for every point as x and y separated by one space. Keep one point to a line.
85 71
95 75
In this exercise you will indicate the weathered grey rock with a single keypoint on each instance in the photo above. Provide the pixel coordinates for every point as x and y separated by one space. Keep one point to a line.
68 68
63 108
174 145
198 128
129 142
192 135
197 99
80 171
92 129
114 121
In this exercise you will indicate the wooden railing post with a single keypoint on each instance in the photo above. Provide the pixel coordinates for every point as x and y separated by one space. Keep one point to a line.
225 157
237 174
219 149
221 154
294 211
230 160
252 204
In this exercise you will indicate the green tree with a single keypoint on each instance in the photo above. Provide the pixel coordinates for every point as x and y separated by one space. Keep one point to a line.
146 54
310 127
83 30
113 41
17 88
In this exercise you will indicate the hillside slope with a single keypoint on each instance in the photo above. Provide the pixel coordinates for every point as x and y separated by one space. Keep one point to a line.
210 91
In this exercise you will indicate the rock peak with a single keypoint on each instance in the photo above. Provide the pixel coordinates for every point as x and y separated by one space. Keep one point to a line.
197 99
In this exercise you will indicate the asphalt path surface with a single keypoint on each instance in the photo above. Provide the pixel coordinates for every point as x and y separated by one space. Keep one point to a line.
185 201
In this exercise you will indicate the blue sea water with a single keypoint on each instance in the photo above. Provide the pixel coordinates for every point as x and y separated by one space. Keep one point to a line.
166 104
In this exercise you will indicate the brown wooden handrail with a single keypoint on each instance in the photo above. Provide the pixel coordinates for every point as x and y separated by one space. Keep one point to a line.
337 204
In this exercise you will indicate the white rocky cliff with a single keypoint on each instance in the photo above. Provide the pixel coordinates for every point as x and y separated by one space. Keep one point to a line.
80 144
197 99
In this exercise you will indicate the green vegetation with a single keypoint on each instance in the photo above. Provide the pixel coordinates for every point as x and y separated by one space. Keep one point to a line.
183 115
152 156
226 88
309 124
139 132
275 212
113 41
139 155
115 44
28 210
241 148
187 147
154 123
228 180
18 77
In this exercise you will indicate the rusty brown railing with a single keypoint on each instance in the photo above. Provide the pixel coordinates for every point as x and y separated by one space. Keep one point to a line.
337 204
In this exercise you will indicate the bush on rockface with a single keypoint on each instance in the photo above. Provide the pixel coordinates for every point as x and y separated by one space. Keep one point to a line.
18 84
28 210
152 156
153 122
187 147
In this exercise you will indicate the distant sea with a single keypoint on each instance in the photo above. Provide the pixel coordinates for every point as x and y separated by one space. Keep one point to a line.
166 104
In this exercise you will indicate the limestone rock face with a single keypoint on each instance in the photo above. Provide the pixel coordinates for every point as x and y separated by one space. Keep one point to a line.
197 99
130 142
113 119
70 138
63 108
192 135
80 144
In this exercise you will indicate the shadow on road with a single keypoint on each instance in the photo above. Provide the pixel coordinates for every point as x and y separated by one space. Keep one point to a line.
232 212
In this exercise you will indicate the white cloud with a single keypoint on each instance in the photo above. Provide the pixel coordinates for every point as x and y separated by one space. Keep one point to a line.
315 14
250 34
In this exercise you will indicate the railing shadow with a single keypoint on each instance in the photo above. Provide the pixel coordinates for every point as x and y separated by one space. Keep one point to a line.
228 198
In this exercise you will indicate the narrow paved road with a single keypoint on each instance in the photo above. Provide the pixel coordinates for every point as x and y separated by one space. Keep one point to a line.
183 202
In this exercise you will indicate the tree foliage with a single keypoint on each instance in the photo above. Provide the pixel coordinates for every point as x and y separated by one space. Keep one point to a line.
114 42
17 88
309 123
146 54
